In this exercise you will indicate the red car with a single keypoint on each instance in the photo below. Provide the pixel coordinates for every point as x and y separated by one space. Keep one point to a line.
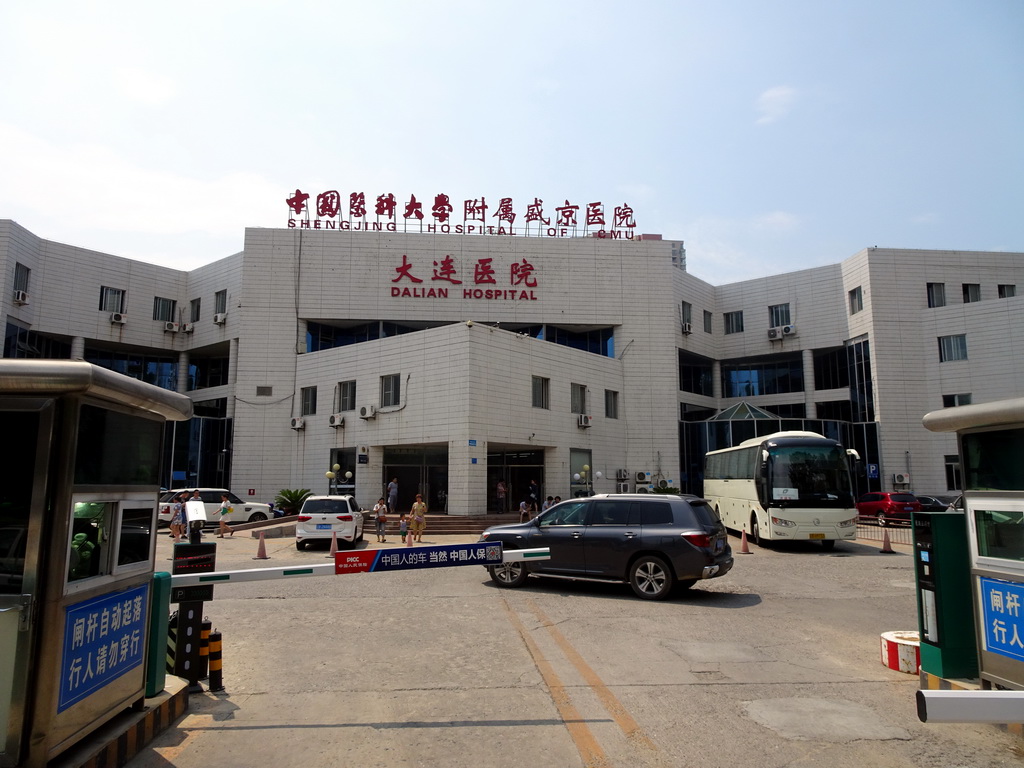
888 507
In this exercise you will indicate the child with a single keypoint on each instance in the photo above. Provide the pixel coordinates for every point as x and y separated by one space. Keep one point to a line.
403 526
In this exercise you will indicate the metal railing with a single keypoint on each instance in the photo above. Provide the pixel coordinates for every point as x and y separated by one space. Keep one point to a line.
899 533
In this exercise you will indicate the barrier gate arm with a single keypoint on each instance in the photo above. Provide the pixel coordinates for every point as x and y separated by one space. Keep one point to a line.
332 569
970 706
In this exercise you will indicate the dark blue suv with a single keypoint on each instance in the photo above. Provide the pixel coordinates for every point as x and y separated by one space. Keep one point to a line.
653 542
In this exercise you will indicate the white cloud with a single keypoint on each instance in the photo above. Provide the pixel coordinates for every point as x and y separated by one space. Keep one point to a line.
145 87
775 103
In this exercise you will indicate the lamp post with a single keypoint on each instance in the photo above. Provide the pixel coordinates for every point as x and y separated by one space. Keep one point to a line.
587 479
330 479
348 480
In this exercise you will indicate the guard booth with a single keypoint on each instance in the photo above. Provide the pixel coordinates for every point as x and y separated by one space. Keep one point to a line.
81 456
991 443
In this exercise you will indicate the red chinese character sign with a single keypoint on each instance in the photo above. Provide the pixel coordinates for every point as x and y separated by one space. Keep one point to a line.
327 211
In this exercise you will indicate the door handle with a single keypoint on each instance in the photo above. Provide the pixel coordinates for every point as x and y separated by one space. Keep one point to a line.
577 534
630 535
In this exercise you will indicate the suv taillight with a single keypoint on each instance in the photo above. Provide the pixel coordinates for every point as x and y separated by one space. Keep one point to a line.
303 518
698 539
346 518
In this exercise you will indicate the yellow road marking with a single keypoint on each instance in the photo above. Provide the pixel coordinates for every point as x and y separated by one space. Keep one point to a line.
590 751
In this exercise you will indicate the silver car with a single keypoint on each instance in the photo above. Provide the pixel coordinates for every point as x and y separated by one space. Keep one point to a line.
323 517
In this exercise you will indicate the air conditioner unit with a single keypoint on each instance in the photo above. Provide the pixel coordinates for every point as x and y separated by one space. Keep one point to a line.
188 328
21 297
774 333
118 318
220 318
621 474
643 477
687 328
622 487
643 489
298 423
585 421
789 330
368 412
336 420
171 327
364 449
901 478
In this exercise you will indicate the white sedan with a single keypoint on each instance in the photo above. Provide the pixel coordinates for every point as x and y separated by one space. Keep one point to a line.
323 517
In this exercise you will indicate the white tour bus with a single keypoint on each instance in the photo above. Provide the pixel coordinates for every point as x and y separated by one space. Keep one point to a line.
789 486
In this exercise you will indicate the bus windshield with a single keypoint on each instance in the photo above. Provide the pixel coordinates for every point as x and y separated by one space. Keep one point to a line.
808 476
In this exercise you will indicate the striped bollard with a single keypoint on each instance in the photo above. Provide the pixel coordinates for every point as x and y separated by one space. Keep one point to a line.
216 682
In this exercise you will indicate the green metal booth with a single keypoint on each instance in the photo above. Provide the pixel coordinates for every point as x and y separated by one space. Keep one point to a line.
81 459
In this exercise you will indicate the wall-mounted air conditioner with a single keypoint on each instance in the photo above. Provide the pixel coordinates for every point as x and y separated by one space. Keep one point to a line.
118 318
774 333
21 297
188 328
621 474
585 421
171 327
298 423
687 328
643 477
368 412
336 420
220 318
901 478
789 330
622 487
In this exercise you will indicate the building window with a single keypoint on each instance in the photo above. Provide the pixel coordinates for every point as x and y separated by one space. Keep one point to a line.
578 398
611 404
346 396
686 312
164 309
541 392
21 276
936 294
972 293
194 309
1007 291
111 299
856 300
765 376
707 321
733 322
390 390
695 374
308 401
778 315
949 401
952 348
220 302
954 477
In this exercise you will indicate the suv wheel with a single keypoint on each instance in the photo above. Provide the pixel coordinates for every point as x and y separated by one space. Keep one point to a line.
257 517
508 575
651 578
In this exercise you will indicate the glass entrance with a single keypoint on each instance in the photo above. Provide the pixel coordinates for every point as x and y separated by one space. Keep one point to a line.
513 472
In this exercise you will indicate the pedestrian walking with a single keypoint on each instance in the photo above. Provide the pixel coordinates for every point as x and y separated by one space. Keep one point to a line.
222 513
419 518
380 517
178 517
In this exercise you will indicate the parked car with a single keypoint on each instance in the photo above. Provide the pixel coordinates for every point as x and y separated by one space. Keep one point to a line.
241 511
651 542
932 504
887 507
321 517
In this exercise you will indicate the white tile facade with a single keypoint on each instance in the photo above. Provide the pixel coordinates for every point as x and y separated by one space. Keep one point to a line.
465 382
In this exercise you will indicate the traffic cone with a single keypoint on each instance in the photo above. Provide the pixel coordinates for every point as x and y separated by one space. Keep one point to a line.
334 544
744 547
261 553
887 545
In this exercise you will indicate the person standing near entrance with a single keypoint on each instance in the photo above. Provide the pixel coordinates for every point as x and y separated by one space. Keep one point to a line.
393 495
534 497
419 518
502 492
380 517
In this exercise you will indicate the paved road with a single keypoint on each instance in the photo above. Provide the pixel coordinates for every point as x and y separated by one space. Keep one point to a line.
777 664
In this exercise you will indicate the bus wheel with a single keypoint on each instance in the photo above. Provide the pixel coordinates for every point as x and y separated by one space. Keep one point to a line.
755 531
828 544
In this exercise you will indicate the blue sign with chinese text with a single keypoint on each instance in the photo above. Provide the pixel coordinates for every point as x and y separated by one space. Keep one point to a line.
104 638
1003 617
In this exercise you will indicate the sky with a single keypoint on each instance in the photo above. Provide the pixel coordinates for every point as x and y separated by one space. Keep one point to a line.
769 136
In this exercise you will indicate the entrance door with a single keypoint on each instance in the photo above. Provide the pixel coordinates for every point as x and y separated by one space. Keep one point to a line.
19 561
